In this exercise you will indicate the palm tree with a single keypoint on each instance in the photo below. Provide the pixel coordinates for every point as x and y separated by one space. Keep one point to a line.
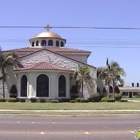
9 59
82 75
111 74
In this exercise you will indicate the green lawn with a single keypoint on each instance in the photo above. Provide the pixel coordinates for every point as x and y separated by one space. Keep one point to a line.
137 99
70 106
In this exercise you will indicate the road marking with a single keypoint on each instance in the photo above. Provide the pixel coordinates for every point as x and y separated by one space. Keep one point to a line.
42 133
87 133
33 122
132 132
53 122
18 122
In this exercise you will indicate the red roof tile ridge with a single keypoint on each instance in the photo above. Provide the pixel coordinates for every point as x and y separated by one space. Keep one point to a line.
39 64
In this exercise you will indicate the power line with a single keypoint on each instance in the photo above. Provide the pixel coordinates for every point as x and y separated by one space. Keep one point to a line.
74 27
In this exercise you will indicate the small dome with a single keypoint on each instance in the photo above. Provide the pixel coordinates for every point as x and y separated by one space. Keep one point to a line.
47 34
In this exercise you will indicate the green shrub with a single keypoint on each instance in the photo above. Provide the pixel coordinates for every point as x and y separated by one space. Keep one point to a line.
33 100
78 100
2 99
21 100
111 100
42 100
95 97
104 99
138 96
117 97
83 100
12 100
72 101
54 101
122 100
64 100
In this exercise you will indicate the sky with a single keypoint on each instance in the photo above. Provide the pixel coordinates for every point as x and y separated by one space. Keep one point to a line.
122 46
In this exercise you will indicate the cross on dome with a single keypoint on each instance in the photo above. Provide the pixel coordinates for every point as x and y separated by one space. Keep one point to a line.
48 27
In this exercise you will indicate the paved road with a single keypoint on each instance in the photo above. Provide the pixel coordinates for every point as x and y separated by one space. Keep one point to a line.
101 127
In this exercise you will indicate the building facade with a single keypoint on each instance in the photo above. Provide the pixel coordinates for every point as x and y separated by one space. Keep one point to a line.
46 69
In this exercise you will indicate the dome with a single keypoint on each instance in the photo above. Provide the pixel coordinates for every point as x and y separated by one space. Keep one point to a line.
47 34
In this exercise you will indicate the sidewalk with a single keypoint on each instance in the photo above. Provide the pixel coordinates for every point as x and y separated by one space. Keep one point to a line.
133 101
3 110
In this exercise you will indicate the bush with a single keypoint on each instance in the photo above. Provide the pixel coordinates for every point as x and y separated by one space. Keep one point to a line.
95 97
42 100
111 100
104 99
122 100
21 100
33 100
78 100
72 101
2 99
64 100
54 101
117 97
12 100
83 100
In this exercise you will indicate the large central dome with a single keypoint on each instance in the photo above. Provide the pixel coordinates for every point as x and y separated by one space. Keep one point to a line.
46 39
46 35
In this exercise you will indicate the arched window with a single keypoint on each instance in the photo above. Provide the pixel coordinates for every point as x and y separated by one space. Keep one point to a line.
57 43
50 43
43 43
37 43
24 86
62 86
42 86
62 44
110 89
33 44
98 90
116 89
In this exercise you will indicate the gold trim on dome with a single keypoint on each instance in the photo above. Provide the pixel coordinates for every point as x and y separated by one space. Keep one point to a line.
47 34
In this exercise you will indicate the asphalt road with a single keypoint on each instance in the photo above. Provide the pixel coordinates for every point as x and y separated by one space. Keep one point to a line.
99 127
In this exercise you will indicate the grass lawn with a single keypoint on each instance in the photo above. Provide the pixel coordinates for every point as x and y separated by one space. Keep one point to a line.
71 106
137 99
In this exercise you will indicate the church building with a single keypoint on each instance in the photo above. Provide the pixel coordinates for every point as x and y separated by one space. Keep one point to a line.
47 68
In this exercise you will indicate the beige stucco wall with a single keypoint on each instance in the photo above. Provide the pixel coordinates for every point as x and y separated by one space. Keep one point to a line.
53 80
47 56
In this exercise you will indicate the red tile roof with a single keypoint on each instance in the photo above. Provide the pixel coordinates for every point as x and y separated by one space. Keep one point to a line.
57 50
43 66
60 50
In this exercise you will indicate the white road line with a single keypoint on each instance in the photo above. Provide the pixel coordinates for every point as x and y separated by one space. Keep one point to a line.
132 132
87 133
42 133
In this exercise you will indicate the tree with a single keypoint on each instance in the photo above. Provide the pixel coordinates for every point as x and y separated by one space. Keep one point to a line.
9 59
82 75
111 74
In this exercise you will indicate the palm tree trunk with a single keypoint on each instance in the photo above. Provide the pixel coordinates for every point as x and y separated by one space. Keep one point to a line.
82 87
3 87
3 81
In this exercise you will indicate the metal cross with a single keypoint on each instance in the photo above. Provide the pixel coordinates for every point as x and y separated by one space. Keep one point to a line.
48 27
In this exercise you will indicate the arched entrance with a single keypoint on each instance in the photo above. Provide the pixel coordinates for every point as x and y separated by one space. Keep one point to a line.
42 86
